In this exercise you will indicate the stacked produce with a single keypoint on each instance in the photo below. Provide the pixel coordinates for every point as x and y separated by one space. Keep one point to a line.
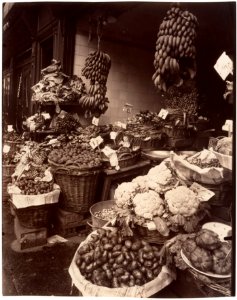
224 146
77 152
147 117
158 197
38 122
175 49
184 98
65 122
11 136
207 253
112 260
203 167
96 69
57 87
32 181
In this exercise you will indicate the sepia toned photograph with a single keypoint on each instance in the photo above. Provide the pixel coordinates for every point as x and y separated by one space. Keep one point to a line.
118 149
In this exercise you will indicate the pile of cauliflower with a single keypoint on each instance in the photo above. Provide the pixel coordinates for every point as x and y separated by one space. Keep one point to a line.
182 201
148 204
159 196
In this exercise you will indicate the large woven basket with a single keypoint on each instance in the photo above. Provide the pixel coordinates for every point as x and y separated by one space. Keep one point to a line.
211 287
78 187
124 162
151 236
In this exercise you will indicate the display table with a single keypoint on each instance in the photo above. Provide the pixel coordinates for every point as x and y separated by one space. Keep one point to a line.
110 175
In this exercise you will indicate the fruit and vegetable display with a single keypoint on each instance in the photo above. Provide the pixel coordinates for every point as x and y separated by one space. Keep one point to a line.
225 146
207 253
106 214
161 198
35 180
175 49
203 167
147 117
38 122
96 69
65 122
11 136
197 160
77 152
185 98
56 87
112 260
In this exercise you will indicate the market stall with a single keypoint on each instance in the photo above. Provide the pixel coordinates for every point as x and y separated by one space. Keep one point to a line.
152 191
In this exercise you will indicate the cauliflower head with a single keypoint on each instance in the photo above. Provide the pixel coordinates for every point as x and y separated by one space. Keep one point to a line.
148 204
161 178
143 183
181 200
124 193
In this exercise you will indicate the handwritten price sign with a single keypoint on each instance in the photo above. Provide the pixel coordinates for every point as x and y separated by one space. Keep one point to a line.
95 142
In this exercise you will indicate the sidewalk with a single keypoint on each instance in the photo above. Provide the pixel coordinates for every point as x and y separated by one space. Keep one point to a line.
43 271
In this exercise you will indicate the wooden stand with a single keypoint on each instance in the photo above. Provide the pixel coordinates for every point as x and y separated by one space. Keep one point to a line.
128 173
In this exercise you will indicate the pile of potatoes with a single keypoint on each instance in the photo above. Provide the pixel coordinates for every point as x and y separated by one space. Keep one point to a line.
114 261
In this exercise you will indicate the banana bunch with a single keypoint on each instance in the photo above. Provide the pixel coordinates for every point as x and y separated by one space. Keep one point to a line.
175 53
97 67
94 104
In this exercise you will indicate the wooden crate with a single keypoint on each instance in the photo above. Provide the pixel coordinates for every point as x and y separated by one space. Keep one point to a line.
69 224
28 238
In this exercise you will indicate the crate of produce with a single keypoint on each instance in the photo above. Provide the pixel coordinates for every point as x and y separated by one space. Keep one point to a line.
78 187
131 278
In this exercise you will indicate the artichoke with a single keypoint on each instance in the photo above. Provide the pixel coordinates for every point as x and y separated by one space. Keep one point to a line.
208 239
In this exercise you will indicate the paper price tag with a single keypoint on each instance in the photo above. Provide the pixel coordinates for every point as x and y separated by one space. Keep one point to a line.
151 225
122 125
108 151
6 148
95 121
163 113
203 193
95 142
113 160
9 128
224 66
46 116
113 135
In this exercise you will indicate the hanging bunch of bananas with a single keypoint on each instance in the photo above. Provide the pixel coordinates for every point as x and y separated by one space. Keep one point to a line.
175 49
96 69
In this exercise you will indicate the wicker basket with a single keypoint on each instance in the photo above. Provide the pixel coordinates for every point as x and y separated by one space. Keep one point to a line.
123 162
151 236
211 287
78 187
155 142
34 216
